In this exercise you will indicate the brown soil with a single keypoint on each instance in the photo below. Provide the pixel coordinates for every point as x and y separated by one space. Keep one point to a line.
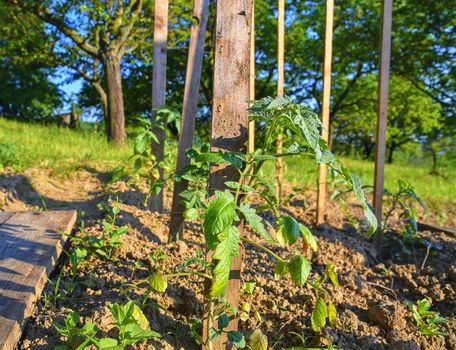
371 302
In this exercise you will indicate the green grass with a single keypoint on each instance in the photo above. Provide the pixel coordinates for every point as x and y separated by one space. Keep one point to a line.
61 150
436 191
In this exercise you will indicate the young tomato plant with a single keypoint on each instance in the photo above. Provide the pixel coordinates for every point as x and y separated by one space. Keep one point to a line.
76 337
146 167
130 323
406 204
426 321
104 246
225 210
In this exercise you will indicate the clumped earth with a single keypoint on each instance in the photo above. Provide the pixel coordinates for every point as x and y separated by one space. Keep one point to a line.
371 301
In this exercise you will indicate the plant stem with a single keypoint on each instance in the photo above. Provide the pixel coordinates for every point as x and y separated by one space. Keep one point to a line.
258 245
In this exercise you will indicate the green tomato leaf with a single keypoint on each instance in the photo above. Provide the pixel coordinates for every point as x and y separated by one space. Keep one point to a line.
158 282
288 230
330 271
223 321
299 268
140 318
256 222
280 270
308 237
191 214
249 287
332 314
319 314
224 251
108 344
237 339
219 217
258 340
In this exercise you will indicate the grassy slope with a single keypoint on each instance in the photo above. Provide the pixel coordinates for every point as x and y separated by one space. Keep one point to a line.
63 150
60 149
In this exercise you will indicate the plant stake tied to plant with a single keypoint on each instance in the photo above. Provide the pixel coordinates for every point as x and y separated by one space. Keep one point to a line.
223 212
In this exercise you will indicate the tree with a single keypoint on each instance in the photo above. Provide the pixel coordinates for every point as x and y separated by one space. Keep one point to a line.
92 38
412 114
26 93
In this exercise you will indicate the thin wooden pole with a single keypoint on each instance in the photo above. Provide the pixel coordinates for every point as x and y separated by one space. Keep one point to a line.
230 119
280 80
326 106
159 87
189 109
252 79
382 110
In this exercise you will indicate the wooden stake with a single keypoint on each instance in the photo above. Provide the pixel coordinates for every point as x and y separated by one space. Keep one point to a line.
252 79
326 106
189 109
230 116
159 87
382 111
280 80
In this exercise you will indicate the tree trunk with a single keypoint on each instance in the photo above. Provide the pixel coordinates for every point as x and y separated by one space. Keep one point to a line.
115 102
391 152
104 106
434 161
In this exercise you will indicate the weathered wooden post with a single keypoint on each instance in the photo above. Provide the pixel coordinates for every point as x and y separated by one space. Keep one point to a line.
280 80
382 110
159 87
189 109
325 110
252 79
230 115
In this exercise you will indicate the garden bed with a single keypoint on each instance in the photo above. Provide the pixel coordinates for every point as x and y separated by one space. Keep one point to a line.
371 302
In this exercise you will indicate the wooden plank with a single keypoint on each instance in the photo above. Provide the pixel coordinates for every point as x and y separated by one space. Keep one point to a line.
280 81
159 87
230 116
326 106
252 79
433 228
382 110
29 248
189 109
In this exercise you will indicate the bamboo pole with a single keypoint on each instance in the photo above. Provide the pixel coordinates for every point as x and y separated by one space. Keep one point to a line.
252 79
229 124
382 111
189 109
326 106
159 88
280 81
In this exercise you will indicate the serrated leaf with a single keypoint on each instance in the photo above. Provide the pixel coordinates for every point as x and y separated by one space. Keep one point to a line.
256 222
140 318
158 282
249 287
258 340
280 269
223 321
332 314
191 214
107 344
319 314
224 251
219 217
299 268
330 271
308 237
237 339
288 231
